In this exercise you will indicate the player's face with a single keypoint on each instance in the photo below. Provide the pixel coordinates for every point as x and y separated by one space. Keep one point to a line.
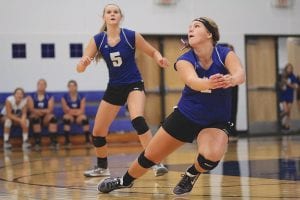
41 86
19 95
289 69
197 33
72 88
112 15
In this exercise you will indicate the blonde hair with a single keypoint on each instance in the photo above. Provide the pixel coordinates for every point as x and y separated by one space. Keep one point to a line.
104 28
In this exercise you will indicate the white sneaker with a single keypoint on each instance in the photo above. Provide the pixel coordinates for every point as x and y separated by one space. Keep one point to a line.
26 145
96 172
6 145
159 169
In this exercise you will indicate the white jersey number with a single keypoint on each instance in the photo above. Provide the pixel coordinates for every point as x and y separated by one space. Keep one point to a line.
116 59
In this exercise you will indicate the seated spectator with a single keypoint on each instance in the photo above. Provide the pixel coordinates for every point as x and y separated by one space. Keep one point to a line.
73 105
15 113
41 106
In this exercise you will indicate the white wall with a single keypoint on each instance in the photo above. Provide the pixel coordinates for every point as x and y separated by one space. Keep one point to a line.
65 21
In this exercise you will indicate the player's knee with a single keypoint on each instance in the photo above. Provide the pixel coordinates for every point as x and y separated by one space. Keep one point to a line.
35 121
99 141
53 120
85 122
140 125
205 163
144 161
66 121
7 123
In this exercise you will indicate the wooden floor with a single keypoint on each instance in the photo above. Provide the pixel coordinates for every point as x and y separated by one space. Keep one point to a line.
253 168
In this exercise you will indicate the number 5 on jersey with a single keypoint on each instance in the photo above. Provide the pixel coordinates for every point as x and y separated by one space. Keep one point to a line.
116 59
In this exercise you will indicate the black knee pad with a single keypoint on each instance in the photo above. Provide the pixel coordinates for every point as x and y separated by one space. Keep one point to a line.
66 121
99 141
140 125
206 164
53 120
85 122
145 162
36 121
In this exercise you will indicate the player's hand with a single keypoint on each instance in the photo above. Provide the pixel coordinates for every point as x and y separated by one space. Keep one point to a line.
83 63
216 81
228 81
163 62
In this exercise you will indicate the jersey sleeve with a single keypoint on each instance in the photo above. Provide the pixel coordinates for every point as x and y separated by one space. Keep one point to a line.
188 56
99 39
129 36
223 52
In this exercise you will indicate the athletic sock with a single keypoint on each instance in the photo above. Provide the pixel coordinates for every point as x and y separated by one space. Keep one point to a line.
37 137
25 137
192 171
67 136
53 137
6 137
87 136
102 162
127 179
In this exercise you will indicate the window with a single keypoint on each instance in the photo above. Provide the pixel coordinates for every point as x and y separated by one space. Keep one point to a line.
75 50
48 50
19 50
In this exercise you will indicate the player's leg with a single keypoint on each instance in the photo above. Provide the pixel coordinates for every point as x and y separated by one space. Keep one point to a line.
105 115
25 128
6 130
212 145
161 145
50 121
37 129
84 122
136 106
67 120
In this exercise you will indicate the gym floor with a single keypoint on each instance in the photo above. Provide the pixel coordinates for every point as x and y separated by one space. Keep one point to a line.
253 168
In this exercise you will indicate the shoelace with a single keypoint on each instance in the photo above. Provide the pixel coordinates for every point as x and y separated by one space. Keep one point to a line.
185 180
115 182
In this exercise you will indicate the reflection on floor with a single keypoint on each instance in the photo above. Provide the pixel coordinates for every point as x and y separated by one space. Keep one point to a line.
253 168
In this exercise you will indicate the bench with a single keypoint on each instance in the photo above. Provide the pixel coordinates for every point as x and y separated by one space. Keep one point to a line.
122 122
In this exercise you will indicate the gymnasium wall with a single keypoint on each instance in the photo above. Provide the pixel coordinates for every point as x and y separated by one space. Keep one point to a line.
66 21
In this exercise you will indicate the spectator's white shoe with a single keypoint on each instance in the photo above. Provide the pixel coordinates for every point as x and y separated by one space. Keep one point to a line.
26 145
6 145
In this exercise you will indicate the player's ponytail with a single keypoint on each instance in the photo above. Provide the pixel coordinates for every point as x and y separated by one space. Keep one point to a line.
98 56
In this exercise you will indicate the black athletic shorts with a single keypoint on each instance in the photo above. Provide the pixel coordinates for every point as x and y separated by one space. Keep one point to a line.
185 130
117 95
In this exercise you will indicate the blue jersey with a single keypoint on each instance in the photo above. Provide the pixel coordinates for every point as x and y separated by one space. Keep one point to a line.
40 104
73 104
210 106
288 93
120 59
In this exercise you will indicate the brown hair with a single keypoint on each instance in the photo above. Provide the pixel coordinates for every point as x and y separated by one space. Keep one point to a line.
72 82
19 89
104 28
42 80
211 27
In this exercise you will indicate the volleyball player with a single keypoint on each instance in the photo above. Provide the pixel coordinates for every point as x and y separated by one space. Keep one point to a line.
15 113
117 47
73 105
288 84
41 105
209 71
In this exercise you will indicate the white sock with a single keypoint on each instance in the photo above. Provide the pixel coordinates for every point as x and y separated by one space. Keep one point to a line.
189 174
6 137
25 137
